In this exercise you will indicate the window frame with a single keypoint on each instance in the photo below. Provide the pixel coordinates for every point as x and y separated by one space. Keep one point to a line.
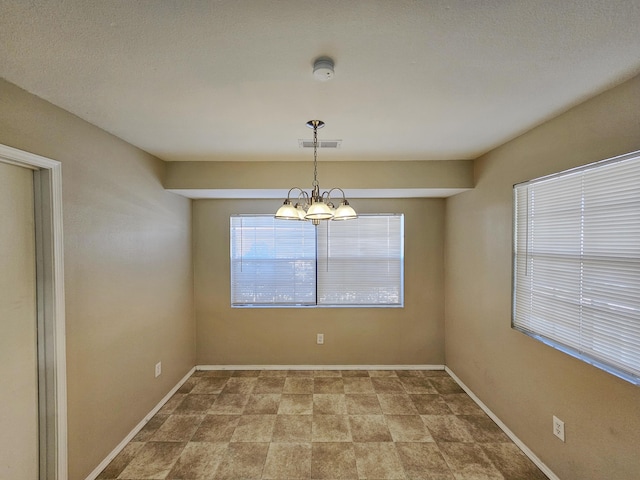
317 261
583 347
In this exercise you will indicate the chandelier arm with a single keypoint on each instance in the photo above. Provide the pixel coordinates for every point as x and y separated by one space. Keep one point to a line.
326 198
302 192
304 196
344 197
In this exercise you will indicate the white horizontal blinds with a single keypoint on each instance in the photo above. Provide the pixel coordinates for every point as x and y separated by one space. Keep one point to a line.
360 262
577 263
272 261
611 265
548 255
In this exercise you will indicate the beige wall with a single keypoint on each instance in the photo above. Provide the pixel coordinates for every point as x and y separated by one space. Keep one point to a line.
286 336
523 381
128 273
348 175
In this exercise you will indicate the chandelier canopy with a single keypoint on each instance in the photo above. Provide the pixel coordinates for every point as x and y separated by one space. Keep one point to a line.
315 206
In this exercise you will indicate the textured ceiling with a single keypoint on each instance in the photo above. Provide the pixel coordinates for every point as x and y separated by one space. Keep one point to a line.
232 79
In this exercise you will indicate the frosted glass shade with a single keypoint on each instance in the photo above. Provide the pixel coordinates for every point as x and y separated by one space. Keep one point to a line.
318 211
287 212
301 211
345 212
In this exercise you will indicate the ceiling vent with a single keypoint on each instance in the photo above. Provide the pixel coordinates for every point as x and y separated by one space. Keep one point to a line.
321 143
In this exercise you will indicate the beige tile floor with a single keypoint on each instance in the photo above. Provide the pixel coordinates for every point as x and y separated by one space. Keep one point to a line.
293 424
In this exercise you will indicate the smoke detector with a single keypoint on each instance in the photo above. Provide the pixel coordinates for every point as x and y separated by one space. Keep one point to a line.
323 69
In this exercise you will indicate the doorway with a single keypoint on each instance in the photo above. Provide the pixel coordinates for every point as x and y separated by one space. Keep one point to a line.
32 318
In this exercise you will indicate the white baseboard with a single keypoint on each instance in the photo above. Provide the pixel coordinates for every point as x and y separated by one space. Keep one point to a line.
94 474
320 367
526 450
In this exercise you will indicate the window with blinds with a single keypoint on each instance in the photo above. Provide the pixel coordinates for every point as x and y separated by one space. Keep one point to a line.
281 263
273 262
576 284
360 261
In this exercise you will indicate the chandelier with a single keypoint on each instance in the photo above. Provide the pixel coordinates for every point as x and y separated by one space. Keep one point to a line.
315 206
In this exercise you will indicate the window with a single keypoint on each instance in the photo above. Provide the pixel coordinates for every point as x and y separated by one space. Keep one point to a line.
577 263
282 263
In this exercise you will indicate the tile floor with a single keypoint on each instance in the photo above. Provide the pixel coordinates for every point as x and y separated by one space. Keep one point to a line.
323 424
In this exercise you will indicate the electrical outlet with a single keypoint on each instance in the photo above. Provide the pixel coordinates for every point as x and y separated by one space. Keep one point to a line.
320 338
558 428
158 369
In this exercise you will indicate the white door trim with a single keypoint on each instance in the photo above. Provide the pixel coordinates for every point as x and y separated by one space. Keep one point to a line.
55 316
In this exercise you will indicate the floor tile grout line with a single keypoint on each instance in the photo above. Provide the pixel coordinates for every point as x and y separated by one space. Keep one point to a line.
404 393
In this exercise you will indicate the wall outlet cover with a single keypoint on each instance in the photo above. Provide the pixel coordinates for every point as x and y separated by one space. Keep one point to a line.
558 428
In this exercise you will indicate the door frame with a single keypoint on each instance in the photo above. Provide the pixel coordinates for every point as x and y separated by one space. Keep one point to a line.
52 382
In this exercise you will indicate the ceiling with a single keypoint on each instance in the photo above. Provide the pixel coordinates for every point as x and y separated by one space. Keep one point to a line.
231 80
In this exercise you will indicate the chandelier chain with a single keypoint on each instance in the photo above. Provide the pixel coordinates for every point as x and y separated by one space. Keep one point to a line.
315 156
